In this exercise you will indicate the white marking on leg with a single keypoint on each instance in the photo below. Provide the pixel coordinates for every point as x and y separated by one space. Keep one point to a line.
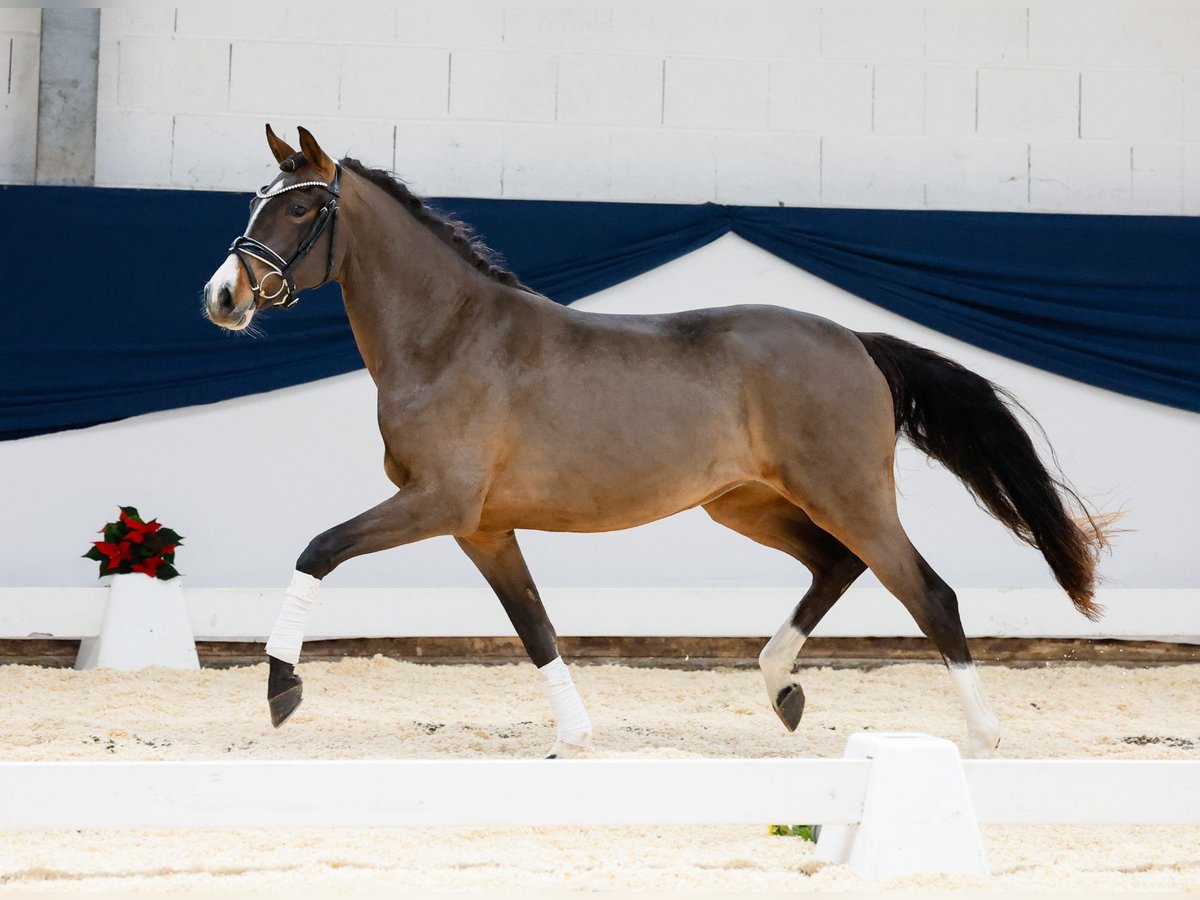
287 636
571 719
778 658
983 729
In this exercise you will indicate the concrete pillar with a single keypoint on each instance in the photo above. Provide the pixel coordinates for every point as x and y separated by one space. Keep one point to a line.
66 135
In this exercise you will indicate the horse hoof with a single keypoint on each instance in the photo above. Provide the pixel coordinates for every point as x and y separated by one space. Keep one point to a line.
789 706
285 690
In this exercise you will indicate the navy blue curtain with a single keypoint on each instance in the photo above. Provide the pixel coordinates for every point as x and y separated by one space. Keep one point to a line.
102 316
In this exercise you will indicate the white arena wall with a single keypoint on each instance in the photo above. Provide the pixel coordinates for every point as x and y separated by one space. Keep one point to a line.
1067 106
249 481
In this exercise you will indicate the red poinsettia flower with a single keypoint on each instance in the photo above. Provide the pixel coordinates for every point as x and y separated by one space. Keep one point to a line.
114 553
138 530
133 545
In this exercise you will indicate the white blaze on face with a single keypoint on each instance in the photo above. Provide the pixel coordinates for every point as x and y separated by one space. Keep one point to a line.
227 277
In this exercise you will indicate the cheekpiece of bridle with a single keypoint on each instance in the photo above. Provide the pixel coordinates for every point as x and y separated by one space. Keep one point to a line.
285 294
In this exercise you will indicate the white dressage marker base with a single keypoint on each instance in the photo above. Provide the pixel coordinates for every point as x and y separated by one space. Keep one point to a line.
916 806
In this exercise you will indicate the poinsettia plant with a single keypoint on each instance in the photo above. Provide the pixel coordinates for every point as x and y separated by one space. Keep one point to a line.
133 545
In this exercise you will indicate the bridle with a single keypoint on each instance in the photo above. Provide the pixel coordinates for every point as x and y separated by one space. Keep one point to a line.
281 268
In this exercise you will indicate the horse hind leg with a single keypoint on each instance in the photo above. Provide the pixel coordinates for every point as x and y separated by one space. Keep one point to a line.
764 516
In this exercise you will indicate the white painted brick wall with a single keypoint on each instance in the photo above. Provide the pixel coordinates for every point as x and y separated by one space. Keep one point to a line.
1039 105
20 33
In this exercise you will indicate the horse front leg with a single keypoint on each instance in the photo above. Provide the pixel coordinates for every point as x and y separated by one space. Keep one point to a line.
499 560
411 515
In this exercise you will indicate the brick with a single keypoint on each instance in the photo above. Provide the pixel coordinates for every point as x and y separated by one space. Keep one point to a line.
318 25
821 97
503 85
558 28
1191 179
133 149
458 25
18 108
598 88
873 31
899 100
1158 34
975 174
874 172
663 28
108 65
545 162
221 152
451 159
1079 176
715 93
1028 103
663 165
976 33
1146 106
173 74
228 21
21 20
1191 106
120 22
1156 184
391 81
769 29
284 78
768 169
949 101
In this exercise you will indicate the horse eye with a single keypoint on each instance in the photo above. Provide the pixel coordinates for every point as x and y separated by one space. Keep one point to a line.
298 210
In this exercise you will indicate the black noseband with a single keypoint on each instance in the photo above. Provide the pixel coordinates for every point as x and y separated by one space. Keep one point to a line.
246 246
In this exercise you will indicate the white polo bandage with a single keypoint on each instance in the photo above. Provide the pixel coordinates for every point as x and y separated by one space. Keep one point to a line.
574 726
288 634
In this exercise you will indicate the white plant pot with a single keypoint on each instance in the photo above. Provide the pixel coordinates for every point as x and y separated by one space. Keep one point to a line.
145 624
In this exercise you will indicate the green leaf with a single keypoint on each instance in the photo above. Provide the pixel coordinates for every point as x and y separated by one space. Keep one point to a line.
169 536
167 571
805 832
131 511
93 553
113 532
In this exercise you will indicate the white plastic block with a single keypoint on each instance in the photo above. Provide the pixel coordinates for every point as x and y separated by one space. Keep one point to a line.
145 624
899 100
875 172
1079 176
133 149
392 81
493 85
917 815
1154 34
760 169
975 174
604 89
276 78
715 93
822 97
546 162
167 74
1157 179
976 33
1028 103
663 165
1143 106
566 27
873 30
451 159
950 101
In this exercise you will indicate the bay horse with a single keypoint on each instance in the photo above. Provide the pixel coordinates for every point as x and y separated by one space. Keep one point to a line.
502 410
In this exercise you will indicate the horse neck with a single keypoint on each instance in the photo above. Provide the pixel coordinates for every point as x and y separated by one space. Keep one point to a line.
404 289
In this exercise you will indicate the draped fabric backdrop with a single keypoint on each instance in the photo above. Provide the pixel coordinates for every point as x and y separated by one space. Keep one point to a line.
102 312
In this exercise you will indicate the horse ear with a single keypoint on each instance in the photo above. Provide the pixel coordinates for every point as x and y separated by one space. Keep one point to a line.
279 147
315 155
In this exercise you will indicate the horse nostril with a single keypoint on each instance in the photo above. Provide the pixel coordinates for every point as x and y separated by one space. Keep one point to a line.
224 299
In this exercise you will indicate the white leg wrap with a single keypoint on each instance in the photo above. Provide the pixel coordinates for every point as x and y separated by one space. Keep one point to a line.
574 726
288 634
778 658
983 730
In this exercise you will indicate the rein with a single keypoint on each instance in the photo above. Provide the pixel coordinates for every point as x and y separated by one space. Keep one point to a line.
245 246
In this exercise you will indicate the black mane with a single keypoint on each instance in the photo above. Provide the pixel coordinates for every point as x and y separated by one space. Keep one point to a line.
457 235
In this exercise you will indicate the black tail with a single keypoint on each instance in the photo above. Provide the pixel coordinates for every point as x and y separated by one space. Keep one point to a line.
967 424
